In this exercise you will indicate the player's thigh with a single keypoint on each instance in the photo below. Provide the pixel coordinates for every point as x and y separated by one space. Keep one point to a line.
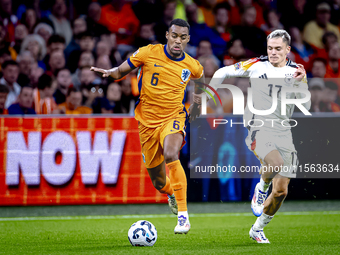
152 151
273 158
172 135
261 144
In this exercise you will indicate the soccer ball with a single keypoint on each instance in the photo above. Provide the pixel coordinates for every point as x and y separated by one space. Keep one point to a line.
142 233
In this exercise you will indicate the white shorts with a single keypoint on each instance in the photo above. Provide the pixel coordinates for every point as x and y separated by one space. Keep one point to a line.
261 142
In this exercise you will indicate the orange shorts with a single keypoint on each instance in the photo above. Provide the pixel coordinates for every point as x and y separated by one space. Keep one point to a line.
152 139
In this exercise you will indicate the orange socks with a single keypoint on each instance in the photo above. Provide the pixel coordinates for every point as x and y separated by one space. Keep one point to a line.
167 189
179 184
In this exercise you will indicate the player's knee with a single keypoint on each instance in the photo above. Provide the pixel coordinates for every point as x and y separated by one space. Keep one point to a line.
158 183
170 156
280 194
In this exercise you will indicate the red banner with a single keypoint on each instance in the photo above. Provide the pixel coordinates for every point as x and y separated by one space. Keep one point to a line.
71 160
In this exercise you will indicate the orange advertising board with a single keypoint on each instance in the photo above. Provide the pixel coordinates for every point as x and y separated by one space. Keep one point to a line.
72 160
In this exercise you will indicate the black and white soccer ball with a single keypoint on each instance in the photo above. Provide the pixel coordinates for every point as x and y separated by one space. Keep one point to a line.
142 233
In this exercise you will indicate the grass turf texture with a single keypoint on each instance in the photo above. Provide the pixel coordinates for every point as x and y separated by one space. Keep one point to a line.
309 233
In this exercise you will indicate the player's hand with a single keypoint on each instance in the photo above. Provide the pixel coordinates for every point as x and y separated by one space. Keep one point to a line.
106 73
197 98
299 73
194 111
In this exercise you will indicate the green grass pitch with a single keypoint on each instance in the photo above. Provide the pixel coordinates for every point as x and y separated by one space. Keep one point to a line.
289 233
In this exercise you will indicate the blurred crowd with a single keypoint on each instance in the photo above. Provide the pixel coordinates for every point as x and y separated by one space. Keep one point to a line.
48 46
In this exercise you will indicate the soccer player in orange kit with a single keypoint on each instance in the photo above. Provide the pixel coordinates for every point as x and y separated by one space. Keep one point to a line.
164 72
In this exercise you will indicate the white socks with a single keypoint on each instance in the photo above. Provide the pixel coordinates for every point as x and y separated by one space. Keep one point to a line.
263 185
262 221
185 214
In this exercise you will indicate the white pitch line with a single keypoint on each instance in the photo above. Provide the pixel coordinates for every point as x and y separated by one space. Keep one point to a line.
113 217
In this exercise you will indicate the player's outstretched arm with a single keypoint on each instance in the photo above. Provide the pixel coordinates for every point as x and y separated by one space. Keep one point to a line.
195 108
116 72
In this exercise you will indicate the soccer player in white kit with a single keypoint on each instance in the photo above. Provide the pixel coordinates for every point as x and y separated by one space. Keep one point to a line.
272 141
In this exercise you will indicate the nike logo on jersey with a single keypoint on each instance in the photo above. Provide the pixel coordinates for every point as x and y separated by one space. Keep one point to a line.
263 76
158 65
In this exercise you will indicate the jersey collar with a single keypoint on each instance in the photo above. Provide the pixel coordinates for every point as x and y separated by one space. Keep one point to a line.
174 59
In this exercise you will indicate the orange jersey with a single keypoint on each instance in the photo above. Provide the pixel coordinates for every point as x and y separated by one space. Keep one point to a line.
162 82
43 106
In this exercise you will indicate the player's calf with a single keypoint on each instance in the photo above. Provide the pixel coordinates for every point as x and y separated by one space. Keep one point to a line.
259 197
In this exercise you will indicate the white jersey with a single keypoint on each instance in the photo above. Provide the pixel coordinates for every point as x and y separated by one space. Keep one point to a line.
266 82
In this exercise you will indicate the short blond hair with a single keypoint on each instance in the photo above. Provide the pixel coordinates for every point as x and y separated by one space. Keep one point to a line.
280 33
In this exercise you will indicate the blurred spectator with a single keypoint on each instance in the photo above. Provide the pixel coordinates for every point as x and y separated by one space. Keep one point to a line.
333 67
302 51
43 102
44 30
73 103
4 56
34 75
272 18
83 75
238 8
9 20
63 83
125 24
328 40
146 36
86 43
128 100
204 48
114 95
86 60
19 35
79 26
253 38
25 101
57 61
319 68
199 32
29 19
103 49
61 24
115 56
6 45
221 21
314 30
210 65
299 9
36 45
236 52
90 93
10 71
130 78
316 86
3 96
92 19
104 62
54 43
26 62
329 96
207 7
163 25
